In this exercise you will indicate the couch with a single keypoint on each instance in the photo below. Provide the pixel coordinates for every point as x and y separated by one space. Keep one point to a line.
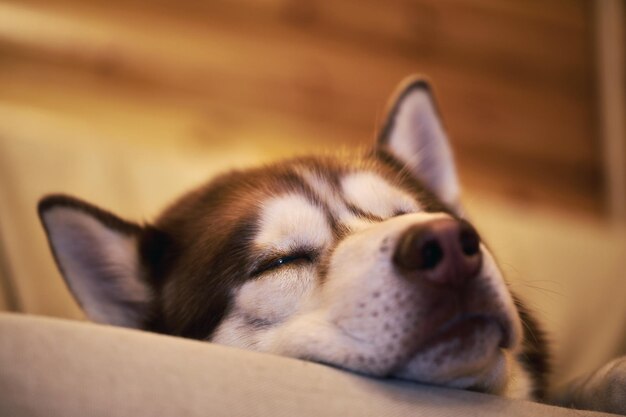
52 367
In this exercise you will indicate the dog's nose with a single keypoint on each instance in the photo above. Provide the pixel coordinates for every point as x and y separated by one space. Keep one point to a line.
443 251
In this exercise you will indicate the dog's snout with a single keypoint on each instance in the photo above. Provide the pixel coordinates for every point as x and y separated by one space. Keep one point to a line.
443 251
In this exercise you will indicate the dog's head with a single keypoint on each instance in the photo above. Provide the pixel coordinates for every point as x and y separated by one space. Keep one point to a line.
362 261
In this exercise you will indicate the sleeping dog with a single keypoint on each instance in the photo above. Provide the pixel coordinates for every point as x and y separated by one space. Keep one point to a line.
363 261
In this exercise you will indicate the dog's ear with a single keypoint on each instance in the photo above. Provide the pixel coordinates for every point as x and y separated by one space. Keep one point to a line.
414 134
98 254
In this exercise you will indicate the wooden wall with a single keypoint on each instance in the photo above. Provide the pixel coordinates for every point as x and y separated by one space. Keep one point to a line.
515 78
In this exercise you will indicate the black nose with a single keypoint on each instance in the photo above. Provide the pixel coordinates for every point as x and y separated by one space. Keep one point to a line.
443 251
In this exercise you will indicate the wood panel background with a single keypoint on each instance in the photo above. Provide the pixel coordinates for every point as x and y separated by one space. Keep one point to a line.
515 78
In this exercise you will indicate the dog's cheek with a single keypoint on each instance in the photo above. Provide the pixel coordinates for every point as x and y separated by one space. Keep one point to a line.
276 296
261 305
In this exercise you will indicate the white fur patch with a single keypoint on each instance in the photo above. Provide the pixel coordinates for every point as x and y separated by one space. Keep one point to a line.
334 201
372 194
261 304
326 193
292 222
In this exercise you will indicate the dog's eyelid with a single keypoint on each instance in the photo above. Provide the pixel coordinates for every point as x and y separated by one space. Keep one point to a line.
402 211
277 260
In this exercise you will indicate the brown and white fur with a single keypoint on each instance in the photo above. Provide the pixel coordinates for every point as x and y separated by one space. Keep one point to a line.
362 261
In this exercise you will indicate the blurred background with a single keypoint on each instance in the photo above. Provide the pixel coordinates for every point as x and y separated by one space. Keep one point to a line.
129 103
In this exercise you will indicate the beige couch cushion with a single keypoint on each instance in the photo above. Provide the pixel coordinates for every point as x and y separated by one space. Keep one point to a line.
51 367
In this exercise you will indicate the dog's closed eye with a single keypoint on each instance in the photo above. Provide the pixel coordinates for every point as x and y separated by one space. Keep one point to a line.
276 262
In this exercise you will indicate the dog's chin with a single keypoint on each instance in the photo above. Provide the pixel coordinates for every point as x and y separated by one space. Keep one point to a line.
467 353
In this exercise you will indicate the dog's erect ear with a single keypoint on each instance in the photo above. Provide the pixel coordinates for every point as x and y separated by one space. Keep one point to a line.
98 255
414 134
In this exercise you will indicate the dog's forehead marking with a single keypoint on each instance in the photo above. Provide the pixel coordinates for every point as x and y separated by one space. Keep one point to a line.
327 192
291 221
372 194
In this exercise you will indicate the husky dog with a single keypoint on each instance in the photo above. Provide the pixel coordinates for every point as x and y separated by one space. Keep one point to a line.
362 261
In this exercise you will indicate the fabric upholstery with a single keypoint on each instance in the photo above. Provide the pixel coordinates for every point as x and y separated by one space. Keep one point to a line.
52 367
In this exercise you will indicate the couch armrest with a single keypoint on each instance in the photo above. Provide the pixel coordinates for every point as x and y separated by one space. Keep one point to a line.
52 367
